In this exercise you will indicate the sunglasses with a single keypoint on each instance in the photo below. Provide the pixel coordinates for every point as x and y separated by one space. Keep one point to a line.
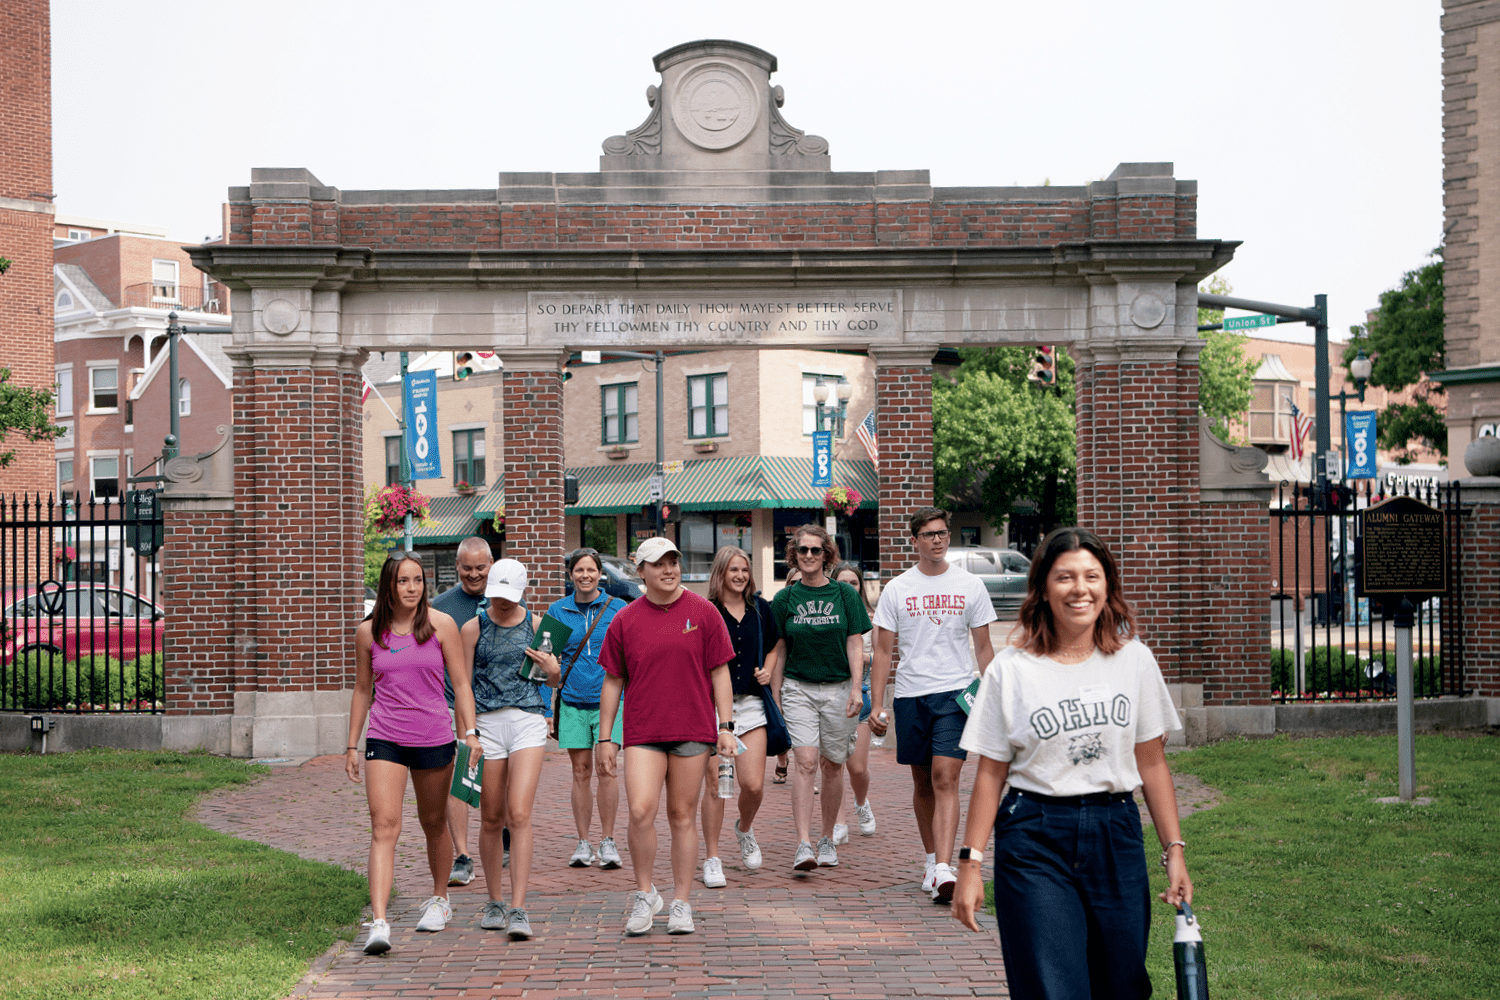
808 550
397 555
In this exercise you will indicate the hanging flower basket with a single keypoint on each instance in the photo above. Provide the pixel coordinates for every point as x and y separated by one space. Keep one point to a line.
842 500
393 504
64 553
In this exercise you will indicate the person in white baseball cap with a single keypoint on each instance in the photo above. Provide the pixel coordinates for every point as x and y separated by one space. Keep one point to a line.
513 732
672 652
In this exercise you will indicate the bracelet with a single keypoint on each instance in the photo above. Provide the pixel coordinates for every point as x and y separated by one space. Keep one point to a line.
611 742
1168 850
347 749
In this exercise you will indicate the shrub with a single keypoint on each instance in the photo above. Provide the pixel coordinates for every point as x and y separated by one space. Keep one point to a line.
1334 670
1283 669
33 682
40 681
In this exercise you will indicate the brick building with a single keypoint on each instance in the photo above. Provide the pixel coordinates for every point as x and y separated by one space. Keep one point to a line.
26 223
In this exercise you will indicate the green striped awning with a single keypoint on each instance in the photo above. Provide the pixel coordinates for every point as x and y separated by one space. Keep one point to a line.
450 519
744 482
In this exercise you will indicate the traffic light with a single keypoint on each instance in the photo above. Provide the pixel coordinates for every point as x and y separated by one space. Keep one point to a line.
463 365
1044 366
671 513
648 512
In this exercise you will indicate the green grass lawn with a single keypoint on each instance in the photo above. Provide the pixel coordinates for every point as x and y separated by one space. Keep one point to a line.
107 891
1308 888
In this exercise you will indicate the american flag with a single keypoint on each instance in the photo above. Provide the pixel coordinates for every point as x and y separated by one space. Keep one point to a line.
1300 426
866 434
365 394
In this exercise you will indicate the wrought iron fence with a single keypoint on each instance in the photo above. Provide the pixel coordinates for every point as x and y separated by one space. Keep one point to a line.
80 624
1327 643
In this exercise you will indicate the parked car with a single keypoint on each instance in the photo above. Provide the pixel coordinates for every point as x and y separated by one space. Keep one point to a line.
1003 571
620 579
80 619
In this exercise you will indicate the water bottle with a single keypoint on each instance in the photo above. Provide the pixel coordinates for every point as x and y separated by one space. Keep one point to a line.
879 741
1187 953
533 671
726 778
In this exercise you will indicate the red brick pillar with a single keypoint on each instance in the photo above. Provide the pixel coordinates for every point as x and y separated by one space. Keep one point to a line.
1480 575
529 405
903 423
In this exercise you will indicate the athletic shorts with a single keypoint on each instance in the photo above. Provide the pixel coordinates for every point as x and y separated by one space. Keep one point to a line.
578 728
815 717
928 726
749 713
415 758
679 748
507 730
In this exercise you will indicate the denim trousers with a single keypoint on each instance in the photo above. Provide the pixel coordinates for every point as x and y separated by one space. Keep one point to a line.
1072 896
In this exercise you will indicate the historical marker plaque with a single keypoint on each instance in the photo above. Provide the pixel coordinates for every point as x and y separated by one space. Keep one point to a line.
1404 549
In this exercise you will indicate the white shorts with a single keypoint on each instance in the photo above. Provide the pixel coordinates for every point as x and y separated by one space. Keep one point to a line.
815 717
749 713
507 730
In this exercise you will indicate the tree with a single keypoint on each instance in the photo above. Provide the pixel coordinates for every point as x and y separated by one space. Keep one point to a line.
996 437
1404 339
26 410
1225 375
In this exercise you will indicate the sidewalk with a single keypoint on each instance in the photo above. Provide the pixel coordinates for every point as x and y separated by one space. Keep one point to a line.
861 930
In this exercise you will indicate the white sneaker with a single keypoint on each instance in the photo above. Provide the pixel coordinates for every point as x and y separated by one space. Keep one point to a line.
827 856
379 940
713 875
583 856
943 882
643 907
929 886
435 914
609 854
866 819
749 849
840 834
805 860
680 920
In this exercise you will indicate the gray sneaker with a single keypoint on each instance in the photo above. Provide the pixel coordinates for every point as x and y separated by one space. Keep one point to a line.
806 860
643 907
379 940
840 834
828 855
518 927
680 920
609 854
749 849
583 855
496 916
866 819
463 870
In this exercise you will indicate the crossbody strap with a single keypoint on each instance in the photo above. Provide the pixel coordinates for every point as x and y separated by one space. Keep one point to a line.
610 599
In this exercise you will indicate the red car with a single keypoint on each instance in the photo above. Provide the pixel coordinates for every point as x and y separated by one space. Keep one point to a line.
80 619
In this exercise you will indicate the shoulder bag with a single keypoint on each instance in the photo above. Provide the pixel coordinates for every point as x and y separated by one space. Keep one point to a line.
557 695
778 739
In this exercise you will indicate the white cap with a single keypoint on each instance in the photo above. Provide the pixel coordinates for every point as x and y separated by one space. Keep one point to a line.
507 580
653 549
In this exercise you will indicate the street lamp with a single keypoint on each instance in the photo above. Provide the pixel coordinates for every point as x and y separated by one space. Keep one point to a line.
828 418
1360 368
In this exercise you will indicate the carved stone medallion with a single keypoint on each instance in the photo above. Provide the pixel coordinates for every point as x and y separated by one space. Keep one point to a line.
1147 311
715 106
280 316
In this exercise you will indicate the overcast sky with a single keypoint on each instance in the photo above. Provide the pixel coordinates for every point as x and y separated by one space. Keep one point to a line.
1313 127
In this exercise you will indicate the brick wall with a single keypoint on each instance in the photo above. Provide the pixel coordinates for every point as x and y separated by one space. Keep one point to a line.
205 648
903 396
529 404
1481 598
1229 657
26 236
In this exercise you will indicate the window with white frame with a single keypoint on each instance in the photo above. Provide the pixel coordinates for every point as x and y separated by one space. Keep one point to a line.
1271 412
393 460
104 476
80 235
164 280
708 405
184 397
64 401
64 300
104 388
64 473
620 422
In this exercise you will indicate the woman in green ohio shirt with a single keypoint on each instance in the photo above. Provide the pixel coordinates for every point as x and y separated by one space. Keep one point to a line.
820 659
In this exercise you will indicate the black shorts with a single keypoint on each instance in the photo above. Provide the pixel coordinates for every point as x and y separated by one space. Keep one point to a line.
416 758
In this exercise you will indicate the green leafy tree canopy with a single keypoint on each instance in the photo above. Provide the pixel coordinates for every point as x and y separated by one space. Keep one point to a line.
1404 340
27 411
1225 375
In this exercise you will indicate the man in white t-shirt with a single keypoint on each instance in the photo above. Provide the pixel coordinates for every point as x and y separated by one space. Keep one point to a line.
931 610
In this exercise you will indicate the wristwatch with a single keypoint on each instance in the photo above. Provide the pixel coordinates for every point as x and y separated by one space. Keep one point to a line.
727 727
969 854
470 732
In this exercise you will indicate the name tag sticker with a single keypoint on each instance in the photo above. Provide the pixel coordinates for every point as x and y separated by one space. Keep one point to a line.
1094 692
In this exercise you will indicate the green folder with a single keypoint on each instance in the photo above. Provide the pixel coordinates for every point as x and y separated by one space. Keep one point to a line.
559 632
466 783
965 698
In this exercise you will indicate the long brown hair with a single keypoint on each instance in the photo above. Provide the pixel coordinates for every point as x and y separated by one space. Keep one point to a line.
720 571
1116 622
385 601
849 567
830 547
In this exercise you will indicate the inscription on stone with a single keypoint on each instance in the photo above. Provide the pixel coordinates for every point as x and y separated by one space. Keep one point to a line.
760 318
1404 549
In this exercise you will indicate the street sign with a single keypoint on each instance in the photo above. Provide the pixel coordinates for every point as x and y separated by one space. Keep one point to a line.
654 487
1248 322
144 538
420 393
822 476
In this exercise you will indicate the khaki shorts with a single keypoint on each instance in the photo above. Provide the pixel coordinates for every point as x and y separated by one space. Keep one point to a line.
815 717
749 713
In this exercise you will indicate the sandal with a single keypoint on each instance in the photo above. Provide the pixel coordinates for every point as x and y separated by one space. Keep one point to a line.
780 776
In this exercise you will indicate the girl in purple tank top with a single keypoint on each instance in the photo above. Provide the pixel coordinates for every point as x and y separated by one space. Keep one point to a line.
402 653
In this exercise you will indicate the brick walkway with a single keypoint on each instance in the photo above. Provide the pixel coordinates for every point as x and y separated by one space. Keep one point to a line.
862 930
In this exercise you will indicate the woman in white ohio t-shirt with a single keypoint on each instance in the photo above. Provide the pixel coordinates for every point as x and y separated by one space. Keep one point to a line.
1075 716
